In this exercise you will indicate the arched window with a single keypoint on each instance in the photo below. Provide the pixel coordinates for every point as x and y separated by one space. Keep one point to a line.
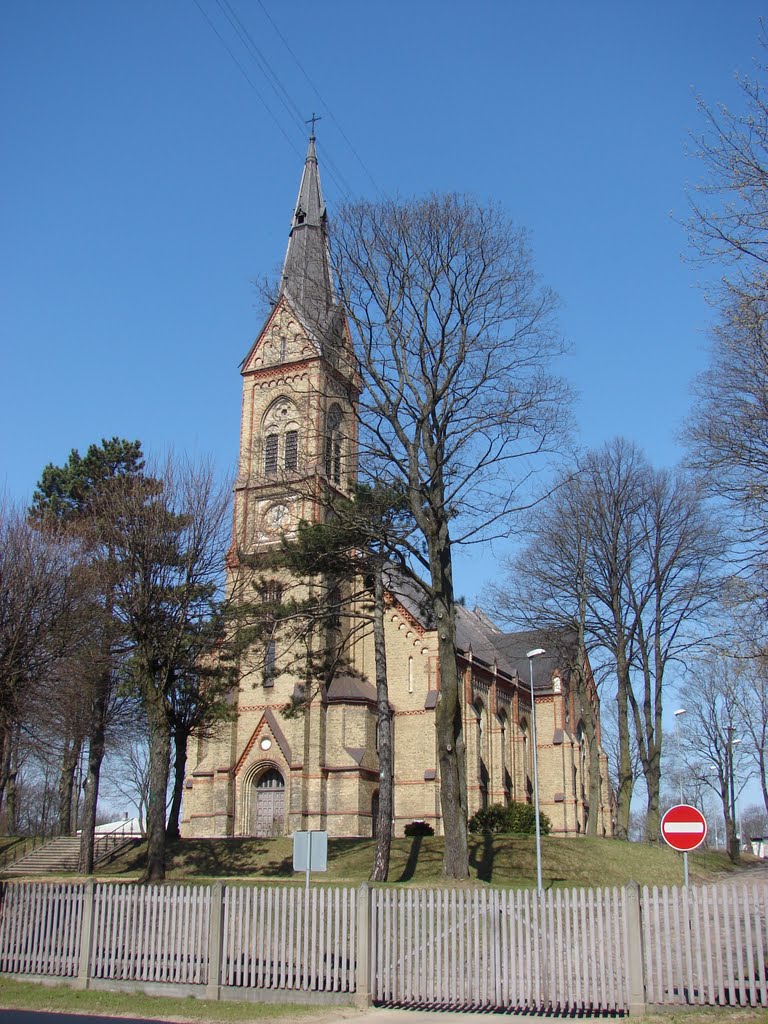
482 768
527 762
333 444
506 779
280 431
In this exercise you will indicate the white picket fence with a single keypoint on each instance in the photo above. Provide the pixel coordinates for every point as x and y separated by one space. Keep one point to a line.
706 944
600 950
281 938
157 934
500 949
40 927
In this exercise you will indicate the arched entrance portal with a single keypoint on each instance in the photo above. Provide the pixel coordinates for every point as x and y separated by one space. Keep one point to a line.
268 804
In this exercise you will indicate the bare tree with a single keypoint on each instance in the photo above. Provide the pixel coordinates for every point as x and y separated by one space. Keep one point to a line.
126 770
678 584
546 589
728 432
454 338
710 744
750 696
628 557
729 208
754 822
39 598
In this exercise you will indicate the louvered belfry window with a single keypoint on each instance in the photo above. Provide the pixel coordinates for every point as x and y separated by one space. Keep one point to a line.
270 454
333 441
291 456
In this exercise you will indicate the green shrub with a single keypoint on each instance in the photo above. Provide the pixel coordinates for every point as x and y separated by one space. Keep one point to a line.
517 817
419 828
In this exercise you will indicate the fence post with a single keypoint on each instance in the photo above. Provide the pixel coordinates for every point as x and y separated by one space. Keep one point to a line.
363 951
215 941
635 965
86 934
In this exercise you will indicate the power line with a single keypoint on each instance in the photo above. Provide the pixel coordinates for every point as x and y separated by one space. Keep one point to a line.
261 61
320 98
248 80
273 79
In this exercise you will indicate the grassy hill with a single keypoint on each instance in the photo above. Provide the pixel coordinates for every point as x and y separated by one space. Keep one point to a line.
495 860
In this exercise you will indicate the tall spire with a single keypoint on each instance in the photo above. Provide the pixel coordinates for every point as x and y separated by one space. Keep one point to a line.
306 280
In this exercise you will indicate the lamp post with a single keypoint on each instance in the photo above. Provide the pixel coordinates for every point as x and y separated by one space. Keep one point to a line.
734 842
535 653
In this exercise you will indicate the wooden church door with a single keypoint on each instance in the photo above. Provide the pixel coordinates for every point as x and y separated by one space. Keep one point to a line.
268 804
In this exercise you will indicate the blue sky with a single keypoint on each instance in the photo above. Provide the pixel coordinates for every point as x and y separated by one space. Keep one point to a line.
143 186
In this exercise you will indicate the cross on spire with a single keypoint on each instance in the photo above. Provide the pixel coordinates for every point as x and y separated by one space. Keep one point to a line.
312 120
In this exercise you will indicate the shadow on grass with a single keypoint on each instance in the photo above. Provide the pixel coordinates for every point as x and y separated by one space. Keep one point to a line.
481 858
413 859
223 857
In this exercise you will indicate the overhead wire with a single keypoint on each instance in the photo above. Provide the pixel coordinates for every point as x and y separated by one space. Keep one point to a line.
261 62
248 79
280 91
314 89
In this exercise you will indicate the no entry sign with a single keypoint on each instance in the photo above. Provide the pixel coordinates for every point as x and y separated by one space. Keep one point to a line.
684 827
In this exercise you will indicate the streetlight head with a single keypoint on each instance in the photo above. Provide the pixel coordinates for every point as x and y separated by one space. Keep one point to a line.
535 652
680 711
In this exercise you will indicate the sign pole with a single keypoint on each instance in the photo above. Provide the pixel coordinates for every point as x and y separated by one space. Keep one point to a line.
309 868
684 828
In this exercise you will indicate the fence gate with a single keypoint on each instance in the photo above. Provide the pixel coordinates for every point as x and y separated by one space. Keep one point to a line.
492 949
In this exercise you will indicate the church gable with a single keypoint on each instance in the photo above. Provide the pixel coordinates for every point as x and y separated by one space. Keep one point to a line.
267 731
283 339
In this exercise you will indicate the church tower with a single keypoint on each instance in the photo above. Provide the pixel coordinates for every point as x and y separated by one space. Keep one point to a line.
268 774
298 434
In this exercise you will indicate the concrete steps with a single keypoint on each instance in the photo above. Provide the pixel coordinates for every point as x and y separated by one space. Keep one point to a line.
62 854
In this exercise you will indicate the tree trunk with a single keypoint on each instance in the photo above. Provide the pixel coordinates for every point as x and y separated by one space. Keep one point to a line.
69 762
386 773
96 747
450 731
11 788
625 773
180 741
653 816
159 765
588 718
6 746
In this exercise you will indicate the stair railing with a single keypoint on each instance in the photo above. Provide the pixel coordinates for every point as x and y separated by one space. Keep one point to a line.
20 848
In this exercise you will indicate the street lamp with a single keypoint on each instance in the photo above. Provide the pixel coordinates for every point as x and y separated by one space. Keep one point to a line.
535 653
735 841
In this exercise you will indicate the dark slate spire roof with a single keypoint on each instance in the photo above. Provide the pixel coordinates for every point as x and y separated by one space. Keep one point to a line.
306 280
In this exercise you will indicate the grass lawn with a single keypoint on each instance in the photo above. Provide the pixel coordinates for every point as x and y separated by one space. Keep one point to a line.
496 860
62 999
22 995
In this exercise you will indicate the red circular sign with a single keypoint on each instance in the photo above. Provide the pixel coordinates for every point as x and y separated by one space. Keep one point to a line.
684 827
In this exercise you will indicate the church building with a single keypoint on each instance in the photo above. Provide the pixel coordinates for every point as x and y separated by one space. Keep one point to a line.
266 773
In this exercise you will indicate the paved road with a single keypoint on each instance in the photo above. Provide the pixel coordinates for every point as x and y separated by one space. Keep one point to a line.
344 1016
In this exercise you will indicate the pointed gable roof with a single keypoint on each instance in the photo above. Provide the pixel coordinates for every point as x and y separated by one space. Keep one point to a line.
306 280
